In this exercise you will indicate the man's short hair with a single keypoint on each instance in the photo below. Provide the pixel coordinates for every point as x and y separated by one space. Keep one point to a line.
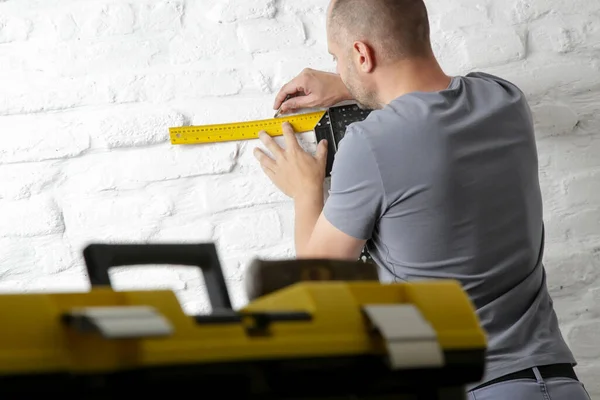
397 28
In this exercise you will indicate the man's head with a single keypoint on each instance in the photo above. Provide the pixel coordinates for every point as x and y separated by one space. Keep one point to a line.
364 35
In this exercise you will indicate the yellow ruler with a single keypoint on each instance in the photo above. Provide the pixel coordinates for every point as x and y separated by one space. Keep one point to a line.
243 130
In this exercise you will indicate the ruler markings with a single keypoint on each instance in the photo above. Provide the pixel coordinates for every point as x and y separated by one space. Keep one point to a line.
242 130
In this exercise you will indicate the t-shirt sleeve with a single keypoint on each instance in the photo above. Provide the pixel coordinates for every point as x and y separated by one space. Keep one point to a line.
356 199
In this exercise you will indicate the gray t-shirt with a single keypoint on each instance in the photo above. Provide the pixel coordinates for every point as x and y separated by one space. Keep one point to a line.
445 185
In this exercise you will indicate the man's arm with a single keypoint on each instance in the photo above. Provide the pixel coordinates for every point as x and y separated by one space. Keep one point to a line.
312 88
326 241
341 227
307 209
356 200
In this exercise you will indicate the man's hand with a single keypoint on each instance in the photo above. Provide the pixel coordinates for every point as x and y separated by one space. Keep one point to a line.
312 89
293 170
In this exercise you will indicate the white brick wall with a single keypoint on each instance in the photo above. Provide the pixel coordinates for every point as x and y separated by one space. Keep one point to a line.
89 88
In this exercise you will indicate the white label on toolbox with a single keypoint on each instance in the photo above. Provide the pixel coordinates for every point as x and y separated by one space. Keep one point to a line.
411 341
126 321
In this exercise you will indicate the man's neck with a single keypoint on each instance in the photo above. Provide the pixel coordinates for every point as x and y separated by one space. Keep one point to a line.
418 75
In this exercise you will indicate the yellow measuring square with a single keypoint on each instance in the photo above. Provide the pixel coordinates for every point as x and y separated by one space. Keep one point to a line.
243 130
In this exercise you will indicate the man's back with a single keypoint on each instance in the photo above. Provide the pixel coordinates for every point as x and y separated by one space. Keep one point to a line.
445 185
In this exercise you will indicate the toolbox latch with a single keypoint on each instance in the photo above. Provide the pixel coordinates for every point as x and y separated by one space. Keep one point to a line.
410 340
122 322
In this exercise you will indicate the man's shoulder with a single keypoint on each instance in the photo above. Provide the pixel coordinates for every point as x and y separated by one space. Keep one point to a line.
478 95
494 81
401 120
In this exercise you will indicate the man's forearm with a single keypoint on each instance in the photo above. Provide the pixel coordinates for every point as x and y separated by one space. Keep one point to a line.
308 208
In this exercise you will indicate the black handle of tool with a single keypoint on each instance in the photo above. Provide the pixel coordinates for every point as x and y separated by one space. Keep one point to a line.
99 258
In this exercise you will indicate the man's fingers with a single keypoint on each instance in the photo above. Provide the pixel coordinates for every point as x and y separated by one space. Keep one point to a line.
297 103
270 144
291 88
321 154
265 161
289 134
270 174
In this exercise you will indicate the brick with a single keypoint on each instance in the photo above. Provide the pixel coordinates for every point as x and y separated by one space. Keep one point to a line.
217 44
113 218
582 190
190 199
494 46
288 67
232 268
253 230
552 35
204 84
239 298
61 283
581 7
242 191
15 258
65 27
33 217
451 52
525 11
570 271
156 277
27 138
545 76
300 7
155 88
556 230
552 119
134 127
237 265
591 33
573 153
76 58
234 109
551 195
268 35
14 29
584 225
12 286
283 251
13 58
231 10
572 308
26 95
158 88
136 168
34 257
471 15
103 20
53 254
159 16
595 294
35 93
584 339
184 228
522 11
20 181
588 374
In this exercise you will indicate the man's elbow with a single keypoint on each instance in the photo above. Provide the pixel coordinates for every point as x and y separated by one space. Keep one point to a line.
327 251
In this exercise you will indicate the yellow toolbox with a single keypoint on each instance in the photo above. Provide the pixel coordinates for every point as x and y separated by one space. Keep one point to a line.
310 339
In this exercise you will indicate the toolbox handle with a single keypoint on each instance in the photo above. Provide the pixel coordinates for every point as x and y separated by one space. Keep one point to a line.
99 258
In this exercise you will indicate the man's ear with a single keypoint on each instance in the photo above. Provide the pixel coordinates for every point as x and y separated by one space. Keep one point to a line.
365 57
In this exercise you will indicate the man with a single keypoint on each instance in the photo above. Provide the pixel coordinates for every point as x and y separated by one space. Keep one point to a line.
440 181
